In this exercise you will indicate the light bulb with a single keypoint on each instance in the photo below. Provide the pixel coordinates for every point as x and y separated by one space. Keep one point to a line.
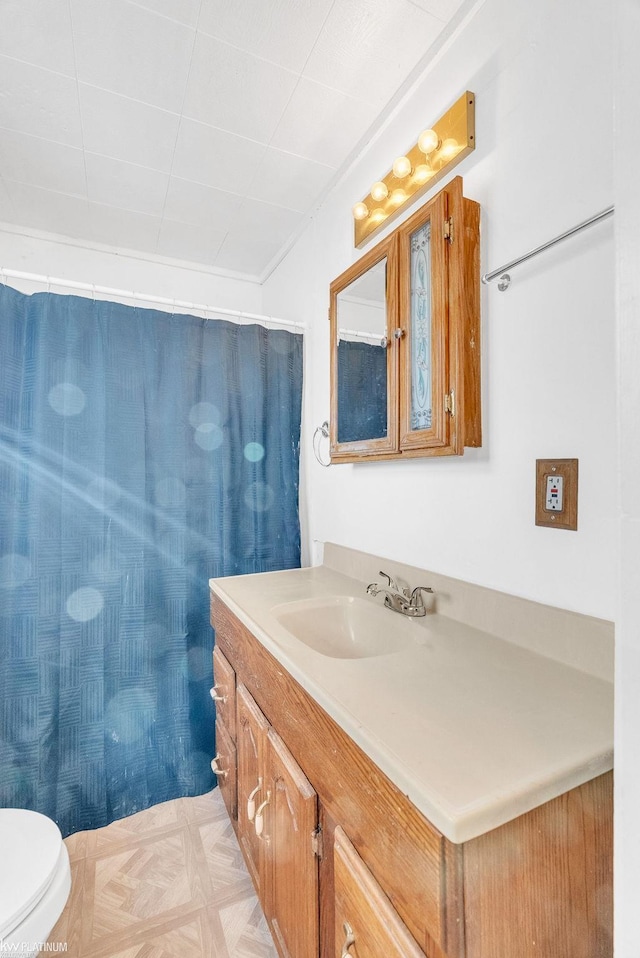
449 148
398 197
423 173
379 191
428 141
360 211
401 167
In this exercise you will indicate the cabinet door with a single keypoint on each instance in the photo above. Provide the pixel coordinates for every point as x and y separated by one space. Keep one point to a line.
424 319
366 923
223 692
224 766
252 729
290 821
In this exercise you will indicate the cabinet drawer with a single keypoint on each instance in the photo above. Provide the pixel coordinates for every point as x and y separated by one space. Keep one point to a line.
366 923
225 762
224 691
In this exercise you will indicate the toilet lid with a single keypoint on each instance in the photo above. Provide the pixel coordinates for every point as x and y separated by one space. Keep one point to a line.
29 851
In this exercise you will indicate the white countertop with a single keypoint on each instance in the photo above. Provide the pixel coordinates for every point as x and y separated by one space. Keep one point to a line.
474 729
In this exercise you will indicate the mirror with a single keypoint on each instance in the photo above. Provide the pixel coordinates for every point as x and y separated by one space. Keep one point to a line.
362 357
361 305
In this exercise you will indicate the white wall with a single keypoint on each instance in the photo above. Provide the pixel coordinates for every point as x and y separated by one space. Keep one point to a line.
627 737
543 163
64 259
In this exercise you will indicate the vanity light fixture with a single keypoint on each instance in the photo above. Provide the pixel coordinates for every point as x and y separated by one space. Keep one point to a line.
437 150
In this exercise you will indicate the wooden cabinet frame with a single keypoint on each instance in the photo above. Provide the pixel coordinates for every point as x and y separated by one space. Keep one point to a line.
455 334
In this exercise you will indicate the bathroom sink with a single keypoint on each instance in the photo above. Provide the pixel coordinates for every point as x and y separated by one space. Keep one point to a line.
345 627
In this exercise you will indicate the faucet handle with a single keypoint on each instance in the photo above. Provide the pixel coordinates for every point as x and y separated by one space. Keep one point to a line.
392 582
416 595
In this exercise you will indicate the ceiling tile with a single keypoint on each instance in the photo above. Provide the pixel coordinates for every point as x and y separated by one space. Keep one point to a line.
21 158
322 124
186 11
289 180
235 91
265 219
38 32
126 186
124 228
368 47
195 243
259 232
200 205
126 129
126 49
442 9
283 31
39 102
188 130
246 254
50 211
215 158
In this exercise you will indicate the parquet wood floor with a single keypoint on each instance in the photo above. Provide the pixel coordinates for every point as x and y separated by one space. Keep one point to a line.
168 882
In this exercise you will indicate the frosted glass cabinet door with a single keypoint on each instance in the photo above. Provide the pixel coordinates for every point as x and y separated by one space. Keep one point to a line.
424 420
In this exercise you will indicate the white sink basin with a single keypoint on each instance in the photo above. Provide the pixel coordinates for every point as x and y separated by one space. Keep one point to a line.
345 627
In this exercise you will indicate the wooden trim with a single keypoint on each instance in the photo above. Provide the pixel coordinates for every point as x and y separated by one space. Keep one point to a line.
472 345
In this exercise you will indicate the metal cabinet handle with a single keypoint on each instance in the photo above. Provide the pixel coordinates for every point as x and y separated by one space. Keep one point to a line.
259 819
349 939
214 695
398 333
251 801
215 769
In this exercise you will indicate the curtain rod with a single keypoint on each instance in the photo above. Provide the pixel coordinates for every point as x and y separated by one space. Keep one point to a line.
505 279
147 298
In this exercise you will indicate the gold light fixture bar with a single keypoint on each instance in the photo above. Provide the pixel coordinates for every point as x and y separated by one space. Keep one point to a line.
449 140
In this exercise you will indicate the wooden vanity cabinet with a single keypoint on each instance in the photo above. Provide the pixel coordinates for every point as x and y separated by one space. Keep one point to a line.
539 886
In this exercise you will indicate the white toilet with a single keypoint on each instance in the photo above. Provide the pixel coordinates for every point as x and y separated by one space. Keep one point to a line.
35 880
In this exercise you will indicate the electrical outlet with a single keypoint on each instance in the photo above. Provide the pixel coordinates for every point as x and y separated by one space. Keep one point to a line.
554 494
557 493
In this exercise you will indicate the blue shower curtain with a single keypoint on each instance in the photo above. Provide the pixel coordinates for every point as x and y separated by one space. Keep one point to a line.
140 454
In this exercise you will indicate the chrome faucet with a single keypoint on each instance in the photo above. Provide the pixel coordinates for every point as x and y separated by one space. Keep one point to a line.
405 601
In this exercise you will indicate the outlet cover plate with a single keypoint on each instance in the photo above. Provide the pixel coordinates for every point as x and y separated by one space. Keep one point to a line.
568 469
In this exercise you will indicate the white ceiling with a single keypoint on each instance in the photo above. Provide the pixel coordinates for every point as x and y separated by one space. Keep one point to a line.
200 130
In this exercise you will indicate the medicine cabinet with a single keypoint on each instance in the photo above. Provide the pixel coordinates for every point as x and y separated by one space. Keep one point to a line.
405 339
